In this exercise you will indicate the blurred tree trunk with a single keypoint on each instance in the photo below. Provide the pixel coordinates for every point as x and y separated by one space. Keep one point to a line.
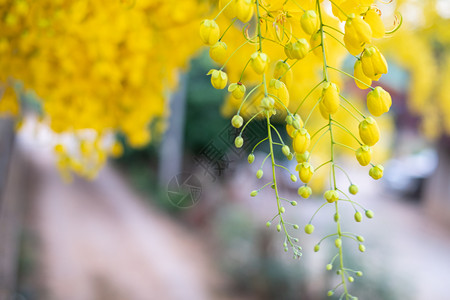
171 150
9 212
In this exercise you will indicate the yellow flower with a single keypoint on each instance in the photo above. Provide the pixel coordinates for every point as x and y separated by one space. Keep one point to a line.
378 101
309 22
376 172
305 171
373 63
218 52
376 24
357 33
219 78
369 132
237 90
244 10
283 70
209 32
359 74
278 90
301 141
330 98
364 155
299 49
259 62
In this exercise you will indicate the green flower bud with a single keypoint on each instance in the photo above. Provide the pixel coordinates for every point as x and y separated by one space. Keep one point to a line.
302 157
362 248
359 273
282 210
286 249
331 196
296 226
238 142
338 272
251 158
330 293
376 172
237 121
309 228
254 193
358 216
259 174
278 227
290 156
294 203
351 279
304 191
310 22
369 214
268 223
286 151
329 267
316 248
296 124
293 178
360 238
338 243
336 217
289 120
353 189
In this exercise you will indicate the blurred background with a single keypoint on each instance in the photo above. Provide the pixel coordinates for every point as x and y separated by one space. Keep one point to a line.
168 215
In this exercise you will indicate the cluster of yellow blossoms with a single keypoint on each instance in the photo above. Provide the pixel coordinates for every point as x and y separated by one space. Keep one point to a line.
282 81
96 66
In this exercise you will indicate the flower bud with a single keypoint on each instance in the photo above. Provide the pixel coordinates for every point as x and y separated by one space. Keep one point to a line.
359 273
376 172
283 72
378 101
282 210
244 10
288 50
290 156
353 189
330 97
279 91
302 157
304 191
259 62
238 142
209 32
336 217
294 203
359 74
251 158
254 193
373 63
369 132
364 155
295 226
267 103
268 223
358 216
329 267
338 243
299 49
305 171
369 214
360 238
218 52
309 22
351 279
293 178
301 141
330 293
259 174
237 90
278 227
309 228
285 149
357 33
362 248
316 248
331 196
237 121
315 41
219 78
376 24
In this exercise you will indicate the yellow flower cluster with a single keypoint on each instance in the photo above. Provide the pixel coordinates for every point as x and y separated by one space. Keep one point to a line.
277 61
101 65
